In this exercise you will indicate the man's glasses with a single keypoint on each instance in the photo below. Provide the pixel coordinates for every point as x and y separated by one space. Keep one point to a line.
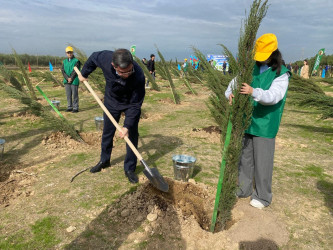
126 73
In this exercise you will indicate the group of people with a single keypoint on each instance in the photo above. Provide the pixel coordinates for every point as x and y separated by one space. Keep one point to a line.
125 92
305 73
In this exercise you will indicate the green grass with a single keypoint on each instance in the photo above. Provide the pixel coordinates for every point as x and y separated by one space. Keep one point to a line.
315 171
41 236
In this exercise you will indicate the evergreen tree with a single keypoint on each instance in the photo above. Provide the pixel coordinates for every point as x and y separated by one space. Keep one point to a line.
14 88
25 76
164 66
240 111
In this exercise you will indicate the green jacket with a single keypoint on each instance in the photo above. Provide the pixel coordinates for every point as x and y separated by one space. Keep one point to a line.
266 118
69 72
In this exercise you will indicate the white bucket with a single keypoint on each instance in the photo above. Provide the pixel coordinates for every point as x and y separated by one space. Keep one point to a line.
183 166
99 121
2 147
56 103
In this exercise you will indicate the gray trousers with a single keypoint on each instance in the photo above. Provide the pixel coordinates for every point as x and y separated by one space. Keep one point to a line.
256 164
72 94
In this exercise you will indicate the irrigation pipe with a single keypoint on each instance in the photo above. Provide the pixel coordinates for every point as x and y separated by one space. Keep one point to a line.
221 177
48 100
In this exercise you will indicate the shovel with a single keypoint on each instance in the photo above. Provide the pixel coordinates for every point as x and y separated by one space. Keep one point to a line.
152 173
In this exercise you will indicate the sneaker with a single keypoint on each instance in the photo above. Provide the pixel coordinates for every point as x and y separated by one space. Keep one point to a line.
69 110
257 204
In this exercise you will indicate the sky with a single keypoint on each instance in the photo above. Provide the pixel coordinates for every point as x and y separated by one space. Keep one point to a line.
46 27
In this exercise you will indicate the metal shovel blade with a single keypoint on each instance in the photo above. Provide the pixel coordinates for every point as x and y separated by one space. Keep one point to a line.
155 177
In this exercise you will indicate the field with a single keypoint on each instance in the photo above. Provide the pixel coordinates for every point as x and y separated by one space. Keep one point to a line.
41 209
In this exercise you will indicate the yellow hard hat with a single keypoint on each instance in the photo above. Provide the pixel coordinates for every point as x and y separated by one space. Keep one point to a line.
69 48
265 46
185 59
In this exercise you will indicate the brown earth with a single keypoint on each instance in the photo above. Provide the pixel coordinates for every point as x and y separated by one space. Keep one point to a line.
184 212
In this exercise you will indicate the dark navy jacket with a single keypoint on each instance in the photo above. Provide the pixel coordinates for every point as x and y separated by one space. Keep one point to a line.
120 94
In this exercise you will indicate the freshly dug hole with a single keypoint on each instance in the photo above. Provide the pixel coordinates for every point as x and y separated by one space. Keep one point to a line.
183 198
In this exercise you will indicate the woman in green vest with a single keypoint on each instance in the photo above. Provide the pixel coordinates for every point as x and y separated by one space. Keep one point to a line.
269 91
71 80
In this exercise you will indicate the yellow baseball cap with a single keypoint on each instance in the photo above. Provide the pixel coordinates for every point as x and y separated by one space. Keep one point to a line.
265 46
69 48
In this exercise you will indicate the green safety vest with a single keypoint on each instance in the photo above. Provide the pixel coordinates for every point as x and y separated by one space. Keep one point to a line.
69 67
266 118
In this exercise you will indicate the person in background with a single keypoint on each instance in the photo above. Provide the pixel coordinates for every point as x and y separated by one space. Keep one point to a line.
296 67
224 67
151 67
305 70
144 61
268 90
71 80
185 66
124 93
327 71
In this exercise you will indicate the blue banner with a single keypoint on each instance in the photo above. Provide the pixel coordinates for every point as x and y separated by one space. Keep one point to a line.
51 67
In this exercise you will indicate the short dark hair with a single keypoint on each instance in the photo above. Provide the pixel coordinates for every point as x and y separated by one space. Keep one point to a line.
152 55
122 58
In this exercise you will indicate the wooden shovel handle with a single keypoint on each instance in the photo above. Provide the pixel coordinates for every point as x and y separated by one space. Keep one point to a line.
128 141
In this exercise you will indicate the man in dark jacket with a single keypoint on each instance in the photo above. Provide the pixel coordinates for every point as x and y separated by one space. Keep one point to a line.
124 92
151 67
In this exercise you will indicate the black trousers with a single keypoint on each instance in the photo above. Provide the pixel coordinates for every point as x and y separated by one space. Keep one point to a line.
107 140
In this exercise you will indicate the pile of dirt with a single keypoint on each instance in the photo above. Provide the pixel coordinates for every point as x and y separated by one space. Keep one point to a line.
179 219
209 133
209 129
167 101
92 138
25 115
59 140
184 198
17 185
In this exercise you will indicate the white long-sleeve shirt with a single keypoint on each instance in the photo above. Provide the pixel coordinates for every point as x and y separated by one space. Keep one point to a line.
271 96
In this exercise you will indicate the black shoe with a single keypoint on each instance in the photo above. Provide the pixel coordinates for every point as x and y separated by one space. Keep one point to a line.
75 111
69 110
132 177
99 167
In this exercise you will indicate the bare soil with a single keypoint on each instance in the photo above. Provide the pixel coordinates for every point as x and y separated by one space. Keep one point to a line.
183 212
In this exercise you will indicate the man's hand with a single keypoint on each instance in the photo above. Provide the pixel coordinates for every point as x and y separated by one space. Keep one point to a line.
230 98
81 78
246 89
69 80
123 133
